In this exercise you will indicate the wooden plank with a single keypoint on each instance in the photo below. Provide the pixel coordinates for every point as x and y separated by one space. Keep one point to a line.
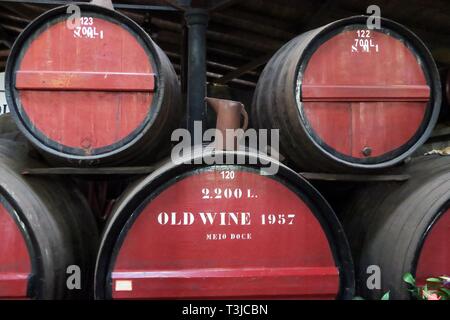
244 69
90 171
316 92
149 169
354 177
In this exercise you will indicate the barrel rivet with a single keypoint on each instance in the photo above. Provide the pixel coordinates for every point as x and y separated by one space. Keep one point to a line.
367 151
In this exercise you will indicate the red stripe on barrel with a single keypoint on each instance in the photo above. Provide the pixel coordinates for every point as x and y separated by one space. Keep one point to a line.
273 282
85 81
330 93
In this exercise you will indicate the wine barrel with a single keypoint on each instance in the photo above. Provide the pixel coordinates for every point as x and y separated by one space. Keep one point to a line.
100 93
223 231
402 227
46 227
349 99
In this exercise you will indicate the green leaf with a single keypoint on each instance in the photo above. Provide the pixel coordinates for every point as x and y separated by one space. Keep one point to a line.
385 296
408 278
445 290
434 280
358 298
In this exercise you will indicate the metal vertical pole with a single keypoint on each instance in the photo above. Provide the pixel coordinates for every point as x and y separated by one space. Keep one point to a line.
197 22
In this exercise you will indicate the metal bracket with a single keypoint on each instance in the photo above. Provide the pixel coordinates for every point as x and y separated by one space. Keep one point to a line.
89 171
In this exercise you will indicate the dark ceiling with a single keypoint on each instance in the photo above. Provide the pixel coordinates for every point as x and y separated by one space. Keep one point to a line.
242 35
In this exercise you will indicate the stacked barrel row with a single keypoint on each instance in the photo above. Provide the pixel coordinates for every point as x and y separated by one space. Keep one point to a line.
98 92
349 99
104 94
